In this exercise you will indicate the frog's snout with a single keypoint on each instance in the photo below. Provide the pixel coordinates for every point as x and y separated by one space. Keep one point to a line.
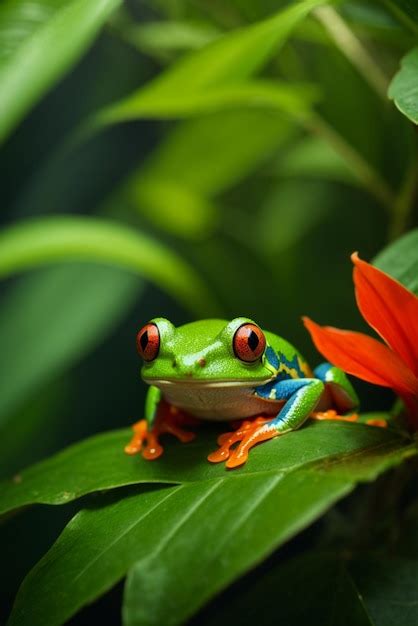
189 369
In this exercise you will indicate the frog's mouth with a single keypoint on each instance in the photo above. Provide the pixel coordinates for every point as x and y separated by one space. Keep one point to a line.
209 384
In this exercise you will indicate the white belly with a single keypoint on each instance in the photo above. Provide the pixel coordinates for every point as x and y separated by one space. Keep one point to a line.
218 402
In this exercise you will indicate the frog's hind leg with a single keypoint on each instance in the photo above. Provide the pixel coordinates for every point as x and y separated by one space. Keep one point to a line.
301 396
339 400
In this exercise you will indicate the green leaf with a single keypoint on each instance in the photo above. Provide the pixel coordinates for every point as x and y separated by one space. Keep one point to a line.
293 100
177 173
403 89
39 42
400 260
215 76
70 310
99 463
50 239
222 523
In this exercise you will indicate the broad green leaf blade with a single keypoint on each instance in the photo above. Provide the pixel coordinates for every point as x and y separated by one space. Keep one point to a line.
210 78
70 309
47 240
221 526
403 89
39 42
98 463
400 260
293 100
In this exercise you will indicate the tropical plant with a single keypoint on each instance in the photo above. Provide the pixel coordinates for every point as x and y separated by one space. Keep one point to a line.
199 158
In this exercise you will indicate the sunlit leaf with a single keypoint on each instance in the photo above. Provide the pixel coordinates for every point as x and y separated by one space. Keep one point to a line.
220 525
46 240
35 49
403 89
215 76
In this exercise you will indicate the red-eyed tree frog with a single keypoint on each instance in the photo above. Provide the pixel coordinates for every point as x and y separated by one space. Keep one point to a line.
227 371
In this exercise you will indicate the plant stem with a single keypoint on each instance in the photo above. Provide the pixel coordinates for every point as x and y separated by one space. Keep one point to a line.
404 202
353 49
364 172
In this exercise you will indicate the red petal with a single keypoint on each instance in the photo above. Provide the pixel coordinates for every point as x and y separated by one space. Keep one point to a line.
389 308
363 357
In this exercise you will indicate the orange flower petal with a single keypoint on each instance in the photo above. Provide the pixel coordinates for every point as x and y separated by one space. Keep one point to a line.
364 357
389 308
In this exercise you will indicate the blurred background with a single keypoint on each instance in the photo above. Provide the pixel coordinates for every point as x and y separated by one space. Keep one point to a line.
261 206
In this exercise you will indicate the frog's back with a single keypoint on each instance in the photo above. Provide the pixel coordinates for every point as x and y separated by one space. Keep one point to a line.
285 358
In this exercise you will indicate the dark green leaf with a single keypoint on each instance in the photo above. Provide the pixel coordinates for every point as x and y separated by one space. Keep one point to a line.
403 89
35 49
400 260
219 526
99 462
50 239
53 318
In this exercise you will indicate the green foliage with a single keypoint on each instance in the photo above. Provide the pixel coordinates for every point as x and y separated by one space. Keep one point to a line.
404 87
270 500
46 240
259 148
36 48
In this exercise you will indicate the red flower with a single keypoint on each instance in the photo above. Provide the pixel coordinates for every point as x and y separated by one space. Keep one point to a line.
392 311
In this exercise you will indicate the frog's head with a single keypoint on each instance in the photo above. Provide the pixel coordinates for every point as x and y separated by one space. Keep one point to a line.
207 352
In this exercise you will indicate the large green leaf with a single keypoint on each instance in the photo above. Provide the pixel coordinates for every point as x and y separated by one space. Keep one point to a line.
403 89
215 76
400 260
46 240
99 463
221 523
39 41
53 318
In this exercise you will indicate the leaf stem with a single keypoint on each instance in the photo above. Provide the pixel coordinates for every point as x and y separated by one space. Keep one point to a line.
404 202
353 49
364 172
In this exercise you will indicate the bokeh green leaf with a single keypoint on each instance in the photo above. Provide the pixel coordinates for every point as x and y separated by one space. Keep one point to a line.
70 310
35 49
217 75
47 240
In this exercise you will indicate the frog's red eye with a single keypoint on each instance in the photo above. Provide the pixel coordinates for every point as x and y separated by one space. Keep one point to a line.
249 343
148 342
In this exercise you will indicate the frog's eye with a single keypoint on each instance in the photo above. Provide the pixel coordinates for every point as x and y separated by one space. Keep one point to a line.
148 341
249 343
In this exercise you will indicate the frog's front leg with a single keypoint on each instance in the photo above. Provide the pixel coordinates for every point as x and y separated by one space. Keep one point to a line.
301 397
160 418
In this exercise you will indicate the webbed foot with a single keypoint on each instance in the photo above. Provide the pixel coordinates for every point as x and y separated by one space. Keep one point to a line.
169 420
353 417
248 434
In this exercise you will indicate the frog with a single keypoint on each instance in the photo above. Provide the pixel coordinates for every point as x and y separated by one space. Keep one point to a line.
236 372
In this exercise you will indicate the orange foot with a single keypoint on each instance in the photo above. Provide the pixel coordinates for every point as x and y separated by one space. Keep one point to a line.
168 420
247 435
333 415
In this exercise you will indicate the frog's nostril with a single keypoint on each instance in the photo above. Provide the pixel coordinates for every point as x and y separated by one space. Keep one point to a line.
174 364
202 362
